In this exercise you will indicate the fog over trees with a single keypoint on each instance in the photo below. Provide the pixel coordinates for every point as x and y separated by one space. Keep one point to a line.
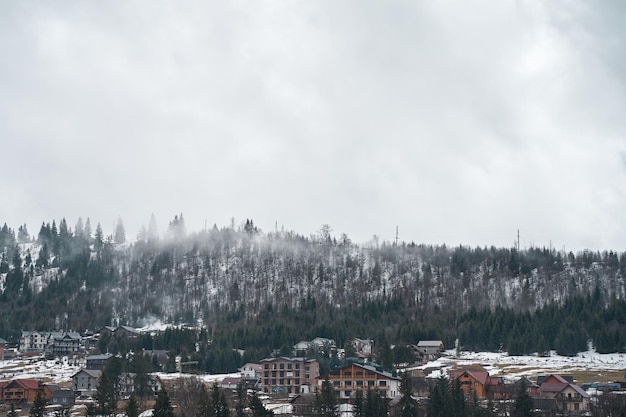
261 291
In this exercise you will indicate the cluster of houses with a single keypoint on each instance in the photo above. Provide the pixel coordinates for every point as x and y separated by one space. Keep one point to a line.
296 378
84 385
552 394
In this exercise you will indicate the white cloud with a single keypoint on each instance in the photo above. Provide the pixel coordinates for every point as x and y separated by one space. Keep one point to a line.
460 123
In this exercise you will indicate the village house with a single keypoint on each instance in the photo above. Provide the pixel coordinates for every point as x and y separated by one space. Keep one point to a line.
64 397
429 350
33 342
478 382
302 348
22 391
63 343
318 345
570 398
98 361
230 382
85 381
289 375
359 377
362 347
127 385
251 375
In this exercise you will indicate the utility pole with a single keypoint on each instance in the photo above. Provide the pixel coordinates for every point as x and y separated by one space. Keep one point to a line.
396 235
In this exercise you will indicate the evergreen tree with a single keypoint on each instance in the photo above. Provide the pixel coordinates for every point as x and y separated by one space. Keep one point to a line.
375 405
439 399
22 234
105 395
132 408
39 404
325 403
408 405
359 405
218 399
153 231
163 406
98 238
257 408
241 400
87 231
205 406
120 232
524 405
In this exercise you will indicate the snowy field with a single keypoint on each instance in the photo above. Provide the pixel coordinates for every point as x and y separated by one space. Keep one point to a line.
586 367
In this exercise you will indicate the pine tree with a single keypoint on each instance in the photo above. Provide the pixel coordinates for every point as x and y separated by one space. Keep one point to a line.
375 405
408 405
39 404
132 408
205 406
120 232
105 395
524 405
218 399
359 405
257 408
325 403
163 406
98 238
241 400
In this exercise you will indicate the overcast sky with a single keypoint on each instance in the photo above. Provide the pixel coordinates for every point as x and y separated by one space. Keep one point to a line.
460 122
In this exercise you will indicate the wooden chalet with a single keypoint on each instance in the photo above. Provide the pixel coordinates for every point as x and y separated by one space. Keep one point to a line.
23 391
359 377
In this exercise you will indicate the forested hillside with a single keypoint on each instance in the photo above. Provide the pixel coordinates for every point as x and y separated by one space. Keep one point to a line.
260 291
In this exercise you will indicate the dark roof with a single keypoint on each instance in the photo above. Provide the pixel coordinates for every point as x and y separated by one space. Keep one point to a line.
25 383
95 373
63 393
370 368
480 376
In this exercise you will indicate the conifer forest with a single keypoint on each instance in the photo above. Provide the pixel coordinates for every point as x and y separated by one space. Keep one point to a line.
239 290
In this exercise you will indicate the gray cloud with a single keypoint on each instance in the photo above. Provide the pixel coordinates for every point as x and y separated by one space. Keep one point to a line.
460 123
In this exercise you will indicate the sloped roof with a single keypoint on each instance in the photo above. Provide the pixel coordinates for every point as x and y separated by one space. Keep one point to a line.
231 380
369 368
25 383
95 373
554 387
527 381
480 376
63 393
430 343
104 356
578 389
255 366
2 341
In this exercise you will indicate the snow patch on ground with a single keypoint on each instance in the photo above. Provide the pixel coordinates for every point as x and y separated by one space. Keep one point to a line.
514 367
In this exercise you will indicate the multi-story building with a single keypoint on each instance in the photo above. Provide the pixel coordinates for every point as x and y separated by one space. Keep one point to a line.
359 377
85 381
289 375
98 362
62 344
570 398
362 347
33 341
